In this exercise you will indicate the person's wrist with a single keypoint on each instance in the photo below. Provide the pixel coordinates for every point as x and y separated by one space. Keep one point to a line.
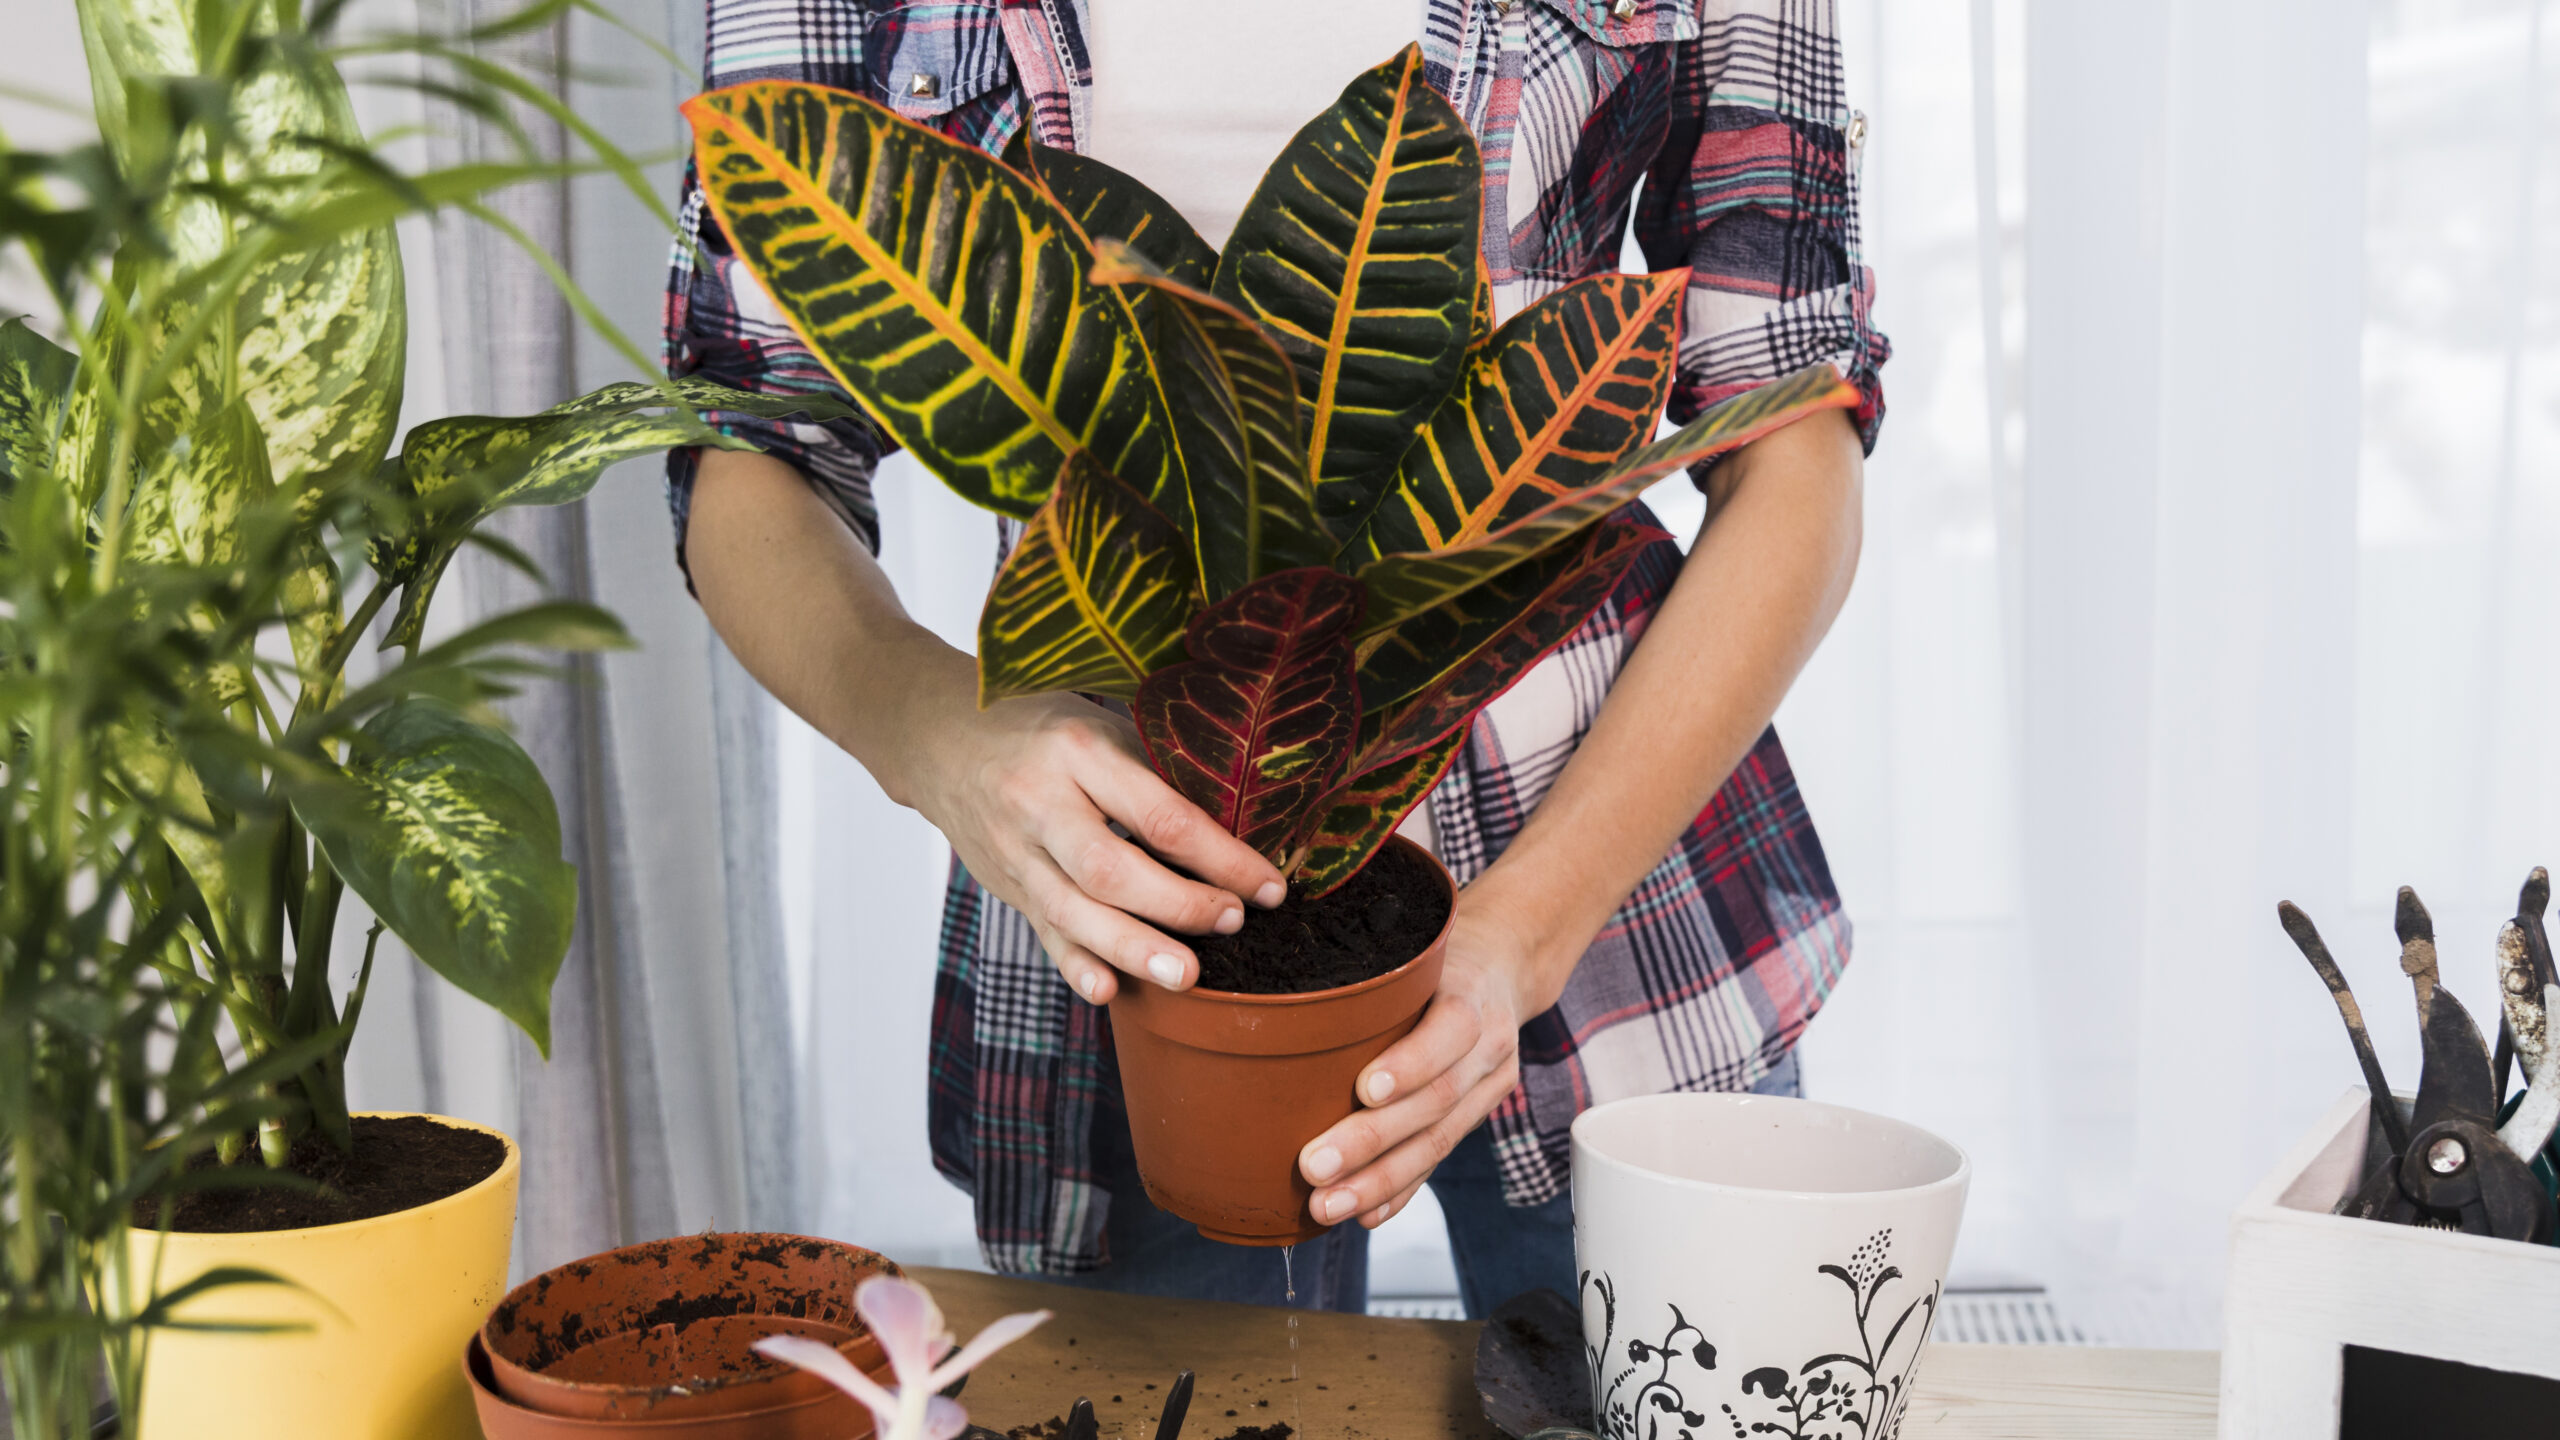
926 711
1508 932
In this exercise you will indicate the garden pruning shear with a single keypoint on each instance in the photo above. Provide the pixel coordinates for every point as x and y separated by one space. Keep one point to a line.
2459 1159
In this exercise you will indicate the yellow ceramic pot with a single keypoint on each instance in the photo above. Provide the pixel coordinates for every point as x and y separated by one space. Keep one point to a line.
391 1303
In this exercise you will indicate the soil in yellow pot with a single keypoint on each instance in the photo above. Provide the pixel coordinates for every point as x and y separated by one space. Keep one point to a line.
390 1303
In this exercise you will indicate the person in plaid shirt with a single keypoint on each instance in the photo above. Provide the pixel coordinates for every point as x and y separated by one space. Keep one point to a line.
1646 906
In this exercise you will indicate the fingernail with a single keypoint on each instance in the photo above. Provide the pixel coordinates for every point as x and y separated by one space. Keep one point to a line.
1090 983
1166 969
1229 922
1381 1085
1269 895
1322 1164
1334 1205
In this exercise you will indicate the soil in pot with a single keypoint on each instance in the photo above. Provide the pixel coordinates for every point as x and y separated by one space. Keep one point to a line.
1373 922
400 1163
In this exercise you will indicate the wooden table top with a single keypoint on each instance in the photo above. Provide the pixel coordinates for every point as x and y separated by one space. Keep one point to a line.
1357 1378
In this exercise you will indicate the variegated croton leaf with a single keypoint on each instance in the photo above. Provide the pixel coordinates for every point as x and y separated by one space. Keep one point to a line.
1236 409
453 473
1107 205
1357 818
1093 597
1256 726
947 293
1431 673
1358 253
1456 520
455 843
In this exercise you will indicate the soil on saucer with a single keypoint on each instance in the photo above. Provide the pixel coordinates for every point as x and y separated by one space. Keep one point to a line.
1261 1432
400 1163
1372 923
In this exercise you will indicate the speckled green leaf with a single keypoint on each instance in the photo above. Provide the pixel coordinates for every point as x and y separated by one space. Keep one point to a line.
1357 818
454 472
456 847
316 338
35 392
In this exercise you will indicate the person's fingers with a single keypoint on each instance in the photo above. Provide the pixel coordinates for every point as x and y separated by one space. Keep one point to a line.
1450 1032
1411 1161
1121 875
1113 936
1084 973
1157 816
1392 1208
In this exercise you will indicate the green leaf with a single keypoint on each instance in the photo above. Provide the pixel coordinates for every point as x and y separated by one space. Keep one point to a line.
315 338
948 293
456 847
1520 457
1108 205
1358 252
1094 597
1256 725
1428 675
454 473
1236 411
35 395
1357 818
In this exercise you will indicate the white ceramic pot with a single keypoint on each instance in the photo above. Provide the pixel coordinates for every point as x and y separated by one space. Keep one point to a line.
1751 1261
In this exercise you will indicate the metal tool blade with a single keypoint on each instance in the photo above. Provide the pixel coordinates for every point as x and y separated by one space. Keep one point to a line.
1530 1371
2454 1083
2417 931
2529 1129
2520 996
1177 1403
2306 938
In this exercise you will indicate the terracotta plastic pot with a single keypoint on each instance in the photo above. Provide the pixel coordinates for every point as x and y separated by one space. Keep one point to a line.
1224 1089
383 1306
665 1330
831 1416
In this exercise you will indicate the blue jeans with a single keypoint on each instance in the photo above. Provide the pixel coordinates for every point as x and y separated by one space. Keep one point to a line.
1500 1250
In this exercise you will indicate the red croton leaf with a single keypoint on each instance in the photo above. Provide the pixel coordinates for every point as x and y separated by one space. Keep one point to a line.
1257 726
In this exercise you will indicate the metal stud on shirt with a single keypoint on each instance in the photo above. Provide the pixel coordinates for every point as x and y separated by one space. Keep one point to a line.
1624 9
923 86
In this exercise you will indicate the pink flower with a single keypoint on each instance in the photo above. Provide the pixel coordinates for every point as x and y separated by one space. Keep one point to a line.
912 1334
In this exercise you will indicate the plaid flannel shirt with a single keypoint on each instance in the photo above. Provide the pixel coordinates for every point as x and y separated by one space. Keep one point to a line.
1731 113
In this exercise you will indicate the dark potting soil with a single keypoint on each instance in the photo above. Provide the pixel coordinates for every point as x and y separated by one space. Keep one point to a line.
1377 920
1273 1431
400 1163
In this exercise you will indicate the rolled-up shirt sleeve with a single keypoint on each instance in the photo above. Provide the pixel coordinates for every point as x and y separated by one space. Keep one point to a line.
1755 190
721 325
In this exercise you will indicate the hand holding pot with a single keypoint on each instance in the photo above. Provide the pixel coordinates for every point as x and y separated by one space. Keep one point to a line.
1027 790
1433 1086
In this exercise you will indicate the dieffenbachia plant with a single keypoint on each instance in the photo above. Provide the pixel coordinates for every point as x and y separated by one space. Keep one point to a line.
1299 503
226 269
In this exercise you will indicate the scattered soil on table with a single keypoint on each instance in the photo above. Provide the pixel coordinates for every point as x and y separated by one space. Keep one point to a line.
1273 1431
1377 920
400 1163
1049 1429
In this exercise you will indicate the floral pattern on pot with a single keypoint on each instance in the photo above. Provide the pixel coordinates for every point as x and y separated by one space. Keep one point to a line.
1659 1383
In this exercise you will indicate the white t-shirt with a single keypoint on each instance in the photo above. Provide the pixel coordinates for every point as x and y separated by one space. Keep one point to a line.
1196 97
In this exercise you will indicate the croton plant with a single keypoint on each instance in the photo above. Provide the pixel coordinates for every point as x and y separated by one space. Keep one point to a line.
1300 503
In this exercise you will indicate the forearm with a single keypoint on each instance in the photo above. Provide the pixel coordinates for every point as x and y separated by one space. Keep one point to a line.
810 614
1760 589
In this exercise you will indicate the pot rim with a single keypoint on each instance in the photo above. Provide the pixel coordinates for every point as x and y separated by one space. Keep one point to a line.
1957 1179
861 1331
505 1174
1448 885
475 1360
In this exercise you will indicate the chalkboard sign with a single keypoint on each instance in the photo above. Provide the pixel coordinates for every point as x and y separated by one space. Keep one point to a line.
2390 1396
